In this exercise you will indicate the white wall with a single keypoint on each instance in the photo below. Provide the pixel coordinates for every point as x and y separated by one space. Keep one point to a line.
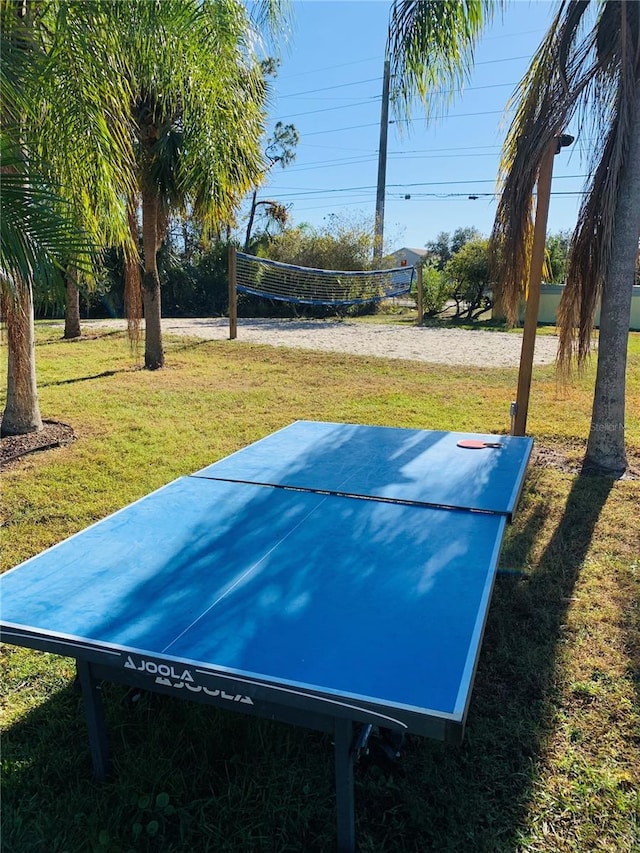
550 299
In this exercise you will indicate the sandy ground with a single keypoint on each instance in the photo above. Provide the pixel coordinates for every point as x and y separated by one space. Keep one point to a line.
438 346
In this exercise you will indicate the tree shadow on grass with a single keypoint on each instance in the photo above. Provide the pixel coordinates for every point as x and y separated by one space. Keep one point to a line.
180 346
238 784
186 777
476 797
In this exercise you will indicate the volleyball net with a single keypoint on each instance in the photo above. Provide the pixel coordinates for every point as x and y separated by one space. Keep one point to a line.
307 286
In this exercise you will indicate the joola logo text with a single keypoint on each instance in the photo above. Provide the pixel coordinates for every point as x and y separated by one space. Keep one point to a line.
181 679
199 688
158 669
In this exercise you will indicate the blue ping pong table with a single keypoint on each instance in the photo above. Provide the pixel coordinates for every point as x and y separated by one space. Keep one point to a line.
332 576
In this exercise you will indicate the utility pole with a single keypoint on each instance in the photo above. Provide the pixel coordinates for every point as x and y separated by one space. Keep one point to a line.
378 236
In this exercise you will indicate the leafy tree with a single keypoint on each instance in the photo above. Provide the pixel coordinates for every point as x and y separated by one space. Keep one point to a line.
280 149
439 250
436 290
556 252
462 236
589 63
445 245
342 243
199 288
196 112
468 270
60 164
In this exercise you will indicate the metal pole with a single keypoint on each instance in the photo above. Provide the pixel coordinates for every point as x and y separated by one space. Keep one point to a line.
94 715
233 296
382 166
420 294
533 295
345 796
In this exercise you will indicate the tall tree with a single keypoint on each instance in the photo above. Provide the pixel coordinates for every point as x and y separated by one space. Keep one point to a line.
280 149
34 233
197 113
61 161
589 64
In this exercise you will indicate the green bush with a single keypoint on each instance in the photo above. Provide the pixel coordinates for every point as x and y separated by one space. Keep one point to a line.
436 291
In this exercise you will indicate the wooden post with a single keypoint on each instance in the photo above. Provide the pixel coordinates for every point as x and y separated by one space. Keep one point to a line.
533 295
233 296
420 294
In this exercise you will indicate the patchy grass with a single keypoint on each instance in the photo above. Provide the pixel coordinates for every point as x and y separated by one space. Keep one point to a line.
551 757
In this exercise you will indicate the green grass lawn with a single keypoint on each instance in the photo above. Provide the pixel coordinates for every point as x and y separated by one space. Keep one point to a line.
551 756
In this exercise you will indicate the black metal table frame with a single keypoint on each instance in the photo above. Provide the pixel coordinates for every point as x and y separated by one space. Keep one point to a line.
268 700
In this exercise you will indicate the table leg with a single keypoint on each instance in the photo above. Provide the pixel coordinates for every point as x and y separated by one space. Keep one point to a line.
345 799
94 715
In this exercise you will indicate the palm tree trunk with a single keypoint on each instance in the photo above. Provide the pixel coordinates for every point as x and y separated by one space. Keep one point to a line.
72 307
22 411
498 310
605 447
153 350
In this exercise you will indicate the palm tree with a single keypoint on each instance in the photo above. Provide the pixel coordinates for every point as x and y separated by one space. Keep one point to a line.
96 166
589 64
36 230
66 105
61 170
196 109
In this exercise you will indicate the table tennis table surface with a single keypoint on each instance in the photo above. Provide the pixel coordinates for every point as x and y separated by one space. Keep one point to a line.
345 564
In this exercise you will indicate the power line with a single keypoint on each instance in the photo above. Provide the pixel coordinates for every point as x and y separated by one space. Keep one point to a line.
291 192
370 100
330 88
340 129
331 67
399 121
451 115
377 59
378 79
455 197
398 155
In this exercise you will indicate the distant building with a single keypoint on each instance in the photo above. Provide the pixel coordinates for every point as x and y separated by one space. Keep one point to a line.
406 257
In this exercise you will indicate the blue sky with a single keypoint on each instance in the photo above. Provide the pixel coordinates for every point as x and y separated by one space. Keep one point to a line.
329 85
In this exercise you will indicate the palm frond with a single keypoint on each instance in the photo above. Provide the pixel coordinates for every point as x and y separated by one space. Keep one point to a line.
38 229
614 99
587 67
431 48
546 99
273 17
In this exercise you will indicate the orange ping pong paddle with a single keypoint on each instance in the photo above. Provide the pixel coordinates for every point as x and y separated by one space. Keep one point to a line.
478 444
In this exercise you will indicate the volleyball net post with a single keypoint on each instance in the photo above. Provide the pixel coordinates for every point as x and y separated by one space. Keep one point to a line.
419 294
233 294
